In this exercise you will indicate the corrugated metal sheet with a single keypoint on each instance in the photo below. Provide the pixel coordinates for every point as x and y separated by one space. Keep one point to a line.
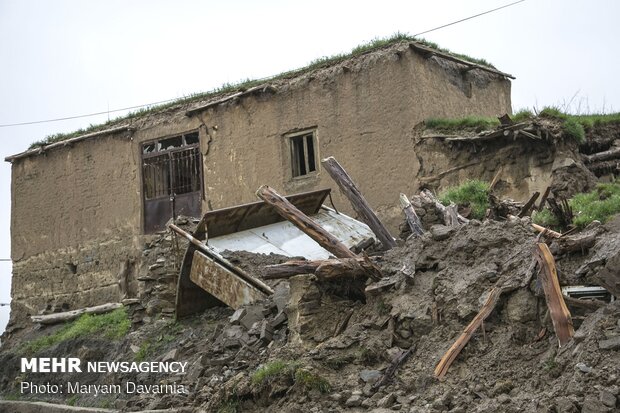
286 239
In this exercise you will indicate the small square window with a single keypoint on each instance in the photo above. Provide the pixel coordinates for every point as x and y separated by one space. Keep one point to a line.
303 159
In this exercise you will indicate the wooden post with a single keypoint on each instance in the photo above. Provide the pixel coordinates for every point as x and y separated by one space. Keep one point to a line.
560 316
306 224
412 218
332 268
528 205
359 203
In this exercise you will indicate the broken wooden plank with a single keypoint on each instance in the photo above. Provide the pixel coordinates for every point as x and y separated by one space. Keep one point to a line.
391 370
587 304
455 349
410 215
505 284
359 203
306 224
73 314
222 262
529 204
450 216
612 153
560 316
543 200
546 231
576 243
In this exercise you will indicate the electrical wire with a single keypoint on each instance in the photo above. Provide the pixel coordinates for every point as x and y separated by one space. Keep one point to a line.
6 125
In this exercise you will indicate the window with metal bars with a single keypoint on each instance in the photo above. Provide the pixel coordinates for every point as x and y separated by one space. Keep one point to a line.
303 153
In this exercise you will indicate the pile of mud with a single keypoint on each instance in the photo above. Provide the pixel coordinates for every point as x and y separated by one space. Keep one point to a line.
327 352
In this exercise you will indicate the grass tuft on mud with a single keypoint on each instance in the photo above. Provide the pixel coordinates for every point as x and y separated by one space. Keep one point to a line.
575 126
375 44
473 194
598 205
112 325
290 369
478 123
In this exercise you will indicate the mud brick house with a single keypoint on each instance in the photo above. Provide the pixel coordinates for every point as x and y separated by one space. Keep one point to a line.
82 208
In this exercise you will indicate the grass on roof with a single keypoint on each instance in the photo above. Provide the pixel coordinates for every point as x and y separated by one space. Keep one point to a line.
375 44
478 123
576 126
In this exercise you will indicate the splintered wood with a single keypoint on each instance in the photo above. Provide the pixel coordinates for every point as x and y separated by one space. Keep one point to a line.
358 202
453 352
560 316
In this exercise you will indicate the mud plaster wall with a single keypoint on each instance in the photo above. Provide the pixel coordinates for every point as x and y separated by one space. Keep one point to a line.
77 210
364 117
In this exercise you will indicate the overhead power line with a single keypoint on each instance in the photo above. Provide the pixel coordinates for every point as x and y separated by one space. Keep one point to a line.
468 18
6 125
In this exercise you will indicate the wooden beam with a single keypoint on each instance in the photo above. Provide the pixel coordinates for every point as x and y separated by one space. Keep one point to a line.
73 314
560 316
412 218
612 153
355 266
359 203
306 224
455 349
543 200
547 231
528 205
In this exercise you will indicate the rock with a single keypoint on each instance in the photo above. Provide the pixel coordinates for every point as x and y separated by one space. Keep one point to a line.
593 405
281 295
134 348
253 314
278 320
171 355
565 405
607 398
237 316
354 401
520 307
195 370
582 367
370 376
387 401
610 343
441 232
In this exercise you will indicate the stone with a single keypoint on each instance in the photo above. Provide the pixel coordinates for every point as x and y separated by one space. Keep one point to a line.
354 401
387 401
607 398
441 232
278 320
171 355
565 405
253 314
237 316
281 295
592 404
612 343
370 376
520 307
582 367
195 370
134 348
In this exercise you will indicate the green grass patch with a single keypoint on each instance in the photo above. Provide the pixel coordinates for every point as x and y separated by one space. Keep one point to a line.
600 204
112 325
522 115
477 123
311 381
473 193
545 218
575 126
146 349
229 406
375 44
293 370
273 370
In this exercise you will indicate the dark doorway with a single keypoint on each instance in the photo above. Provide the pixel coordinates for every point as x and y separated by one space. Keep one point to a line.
171 179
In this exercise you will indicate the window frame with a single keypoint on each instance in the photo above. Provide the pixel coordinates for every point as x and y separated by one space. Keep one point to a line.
295 164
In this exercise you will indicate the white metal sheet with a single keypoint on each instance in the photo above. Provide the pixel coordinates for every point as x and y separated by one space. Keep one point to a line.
286 239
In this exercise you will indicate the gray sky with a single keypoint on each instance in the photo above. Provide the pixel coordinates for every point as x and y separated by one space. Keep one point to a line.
62 58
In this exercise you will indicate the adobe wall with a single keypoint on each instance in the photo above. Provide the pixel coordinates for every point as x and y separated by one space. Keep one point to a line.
364 116
77 210
73 220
